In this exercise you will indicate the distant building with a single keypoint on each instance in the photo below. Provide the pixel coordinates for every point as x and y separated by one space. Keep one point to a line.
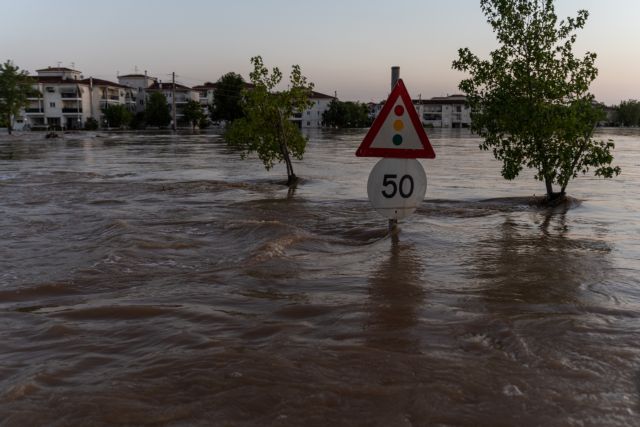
444 112
312 116
139 83
64 99
183 95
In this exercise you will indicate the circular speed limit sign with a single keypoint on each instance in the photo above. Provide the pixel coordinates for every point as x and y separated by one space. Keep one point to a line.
396 187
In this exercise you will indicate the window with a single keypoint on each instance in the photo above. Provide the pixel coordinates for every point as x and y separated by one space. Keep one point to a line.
458 109
52 104
50 89
141 102
308 113
308 123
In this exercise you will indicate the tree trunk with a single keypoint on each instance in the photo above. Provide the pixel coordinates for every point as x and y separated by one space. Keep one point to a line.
552 197
291 177
9 123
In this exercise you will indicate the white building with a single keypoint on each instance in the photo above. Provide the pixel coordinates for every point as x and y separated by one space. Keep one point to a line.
444 112
312 116
183 95
139 83
63 99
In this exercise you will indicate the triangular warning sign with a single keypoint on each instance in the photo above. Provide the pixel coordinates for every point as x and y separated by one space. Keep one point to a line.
397 131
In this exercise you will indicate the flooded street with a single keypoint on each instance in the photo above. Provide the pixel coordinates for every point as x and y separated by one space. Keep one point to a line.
162 280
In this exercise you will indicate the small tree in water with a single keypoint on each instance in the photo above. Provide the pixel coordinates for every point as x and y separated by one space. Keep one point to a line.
15 88
531 102
266 129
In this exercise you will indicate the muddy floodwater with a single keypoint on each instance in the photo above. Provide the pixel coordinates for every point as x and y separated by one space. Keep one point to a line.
161 280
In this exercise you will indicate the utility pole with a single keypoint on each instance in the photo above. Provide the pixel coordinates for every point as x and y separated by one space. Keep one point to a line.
173 99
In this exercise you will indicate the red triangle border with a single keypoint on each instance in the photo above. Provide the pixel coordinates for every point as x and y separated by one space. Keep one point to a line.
365 150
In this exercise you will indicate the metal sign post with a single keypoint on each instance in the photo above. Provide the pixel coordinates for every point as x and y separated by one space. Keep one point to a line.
397 184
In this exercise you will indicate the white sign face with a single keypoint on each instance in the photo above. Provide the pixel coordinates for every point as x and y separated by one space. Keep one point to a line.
396 187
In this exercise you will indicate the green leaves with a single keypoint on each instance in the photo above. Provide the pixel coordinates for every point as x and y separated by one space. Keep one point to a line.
347 115
157 112
15 88
266 128
117 116
530 101
192 113
227 102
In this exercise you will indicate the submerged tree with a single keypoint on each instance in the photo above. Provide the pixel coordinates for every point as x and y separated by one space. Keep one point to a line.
530 101
227 100
267 129
628 113
15 88
157 112
347 115
117 116
192 113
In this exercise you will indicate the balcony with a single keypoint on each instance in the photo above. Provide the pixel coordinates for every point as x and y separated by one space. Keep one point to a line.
71 110
34 110
70 95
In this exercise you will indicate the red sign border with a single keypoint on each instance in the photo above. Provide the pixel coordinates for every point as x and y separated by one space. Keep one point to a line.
426 152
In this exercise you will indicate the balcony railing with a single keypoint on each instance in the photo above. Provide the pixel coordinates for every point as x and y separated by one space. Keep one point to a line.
69 95
72 110
33 110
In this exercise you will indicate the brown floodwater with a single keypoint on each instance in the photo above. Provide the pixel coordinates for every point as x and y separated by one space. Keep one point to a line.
161 280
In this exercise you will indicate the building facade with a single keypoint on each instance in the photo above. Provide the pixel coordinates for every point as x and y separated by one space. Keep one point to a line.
183 95
312 116
139 83
444 112
64 99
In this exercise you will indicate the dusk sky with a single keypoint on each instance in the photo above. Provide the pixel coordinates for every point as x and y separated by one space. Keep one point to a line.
346 46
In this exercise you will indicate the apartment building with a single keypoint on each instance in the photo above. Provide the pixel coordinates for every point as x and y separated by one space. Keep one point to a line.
312 116
444 112
139 83
183 95
64 99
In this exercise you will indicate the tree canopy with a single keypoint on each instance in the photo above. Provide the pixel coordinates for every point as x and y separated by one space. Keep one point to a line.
117 116
192 113
628 113
157 112
347 115
15 88
266 129
530 101
227 100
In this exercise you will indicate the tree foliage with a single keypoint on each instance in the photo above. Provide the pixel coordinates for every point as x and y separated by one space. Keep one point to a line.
157 112
347 115
530 101
91 124
192 113
15 88
227 100
117 116
266 129
628 113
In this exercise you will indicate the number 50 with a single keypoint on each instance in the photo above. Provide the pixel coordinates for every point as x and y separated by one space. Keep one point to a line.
390 180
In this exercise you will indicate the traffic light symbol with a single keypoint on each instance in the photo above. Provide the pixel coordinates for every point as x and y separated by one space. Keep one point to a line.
398 125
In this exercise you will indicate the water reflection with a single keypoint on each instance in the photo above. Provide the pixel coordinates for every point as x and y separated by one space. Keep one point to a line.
539 265
395 296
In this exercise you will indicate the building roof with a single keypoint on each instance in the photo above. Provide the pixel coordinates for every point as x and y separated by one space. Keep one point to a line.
316 95
209 85
57 80
58 69
136 75
101 82
167 86
206 85
451 99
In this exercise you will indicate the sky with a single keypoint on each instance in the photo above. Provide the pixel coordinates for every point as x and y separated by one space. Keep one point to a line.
344 46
